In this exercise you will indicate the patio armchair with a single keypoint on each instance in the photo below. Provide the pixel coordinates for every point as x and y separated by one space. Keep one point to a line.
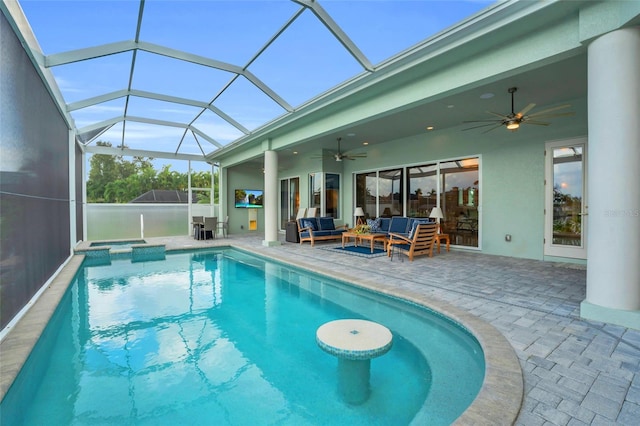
419 241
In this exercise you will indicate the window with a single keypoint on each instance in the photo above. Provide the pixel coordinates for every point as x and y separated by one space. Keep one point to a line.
459 200
324 193
422 190
452 185
289 200
332 195
390 185
367 193
380 193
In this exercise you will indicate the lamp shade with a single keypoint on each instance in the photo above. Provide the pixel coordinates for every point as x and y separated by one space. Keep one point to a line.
436 213
359 212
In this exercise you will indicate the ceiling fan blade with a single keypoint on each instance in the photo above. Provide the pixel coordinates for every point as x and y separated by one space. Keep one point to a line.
495 123
548 110
327 155
525 110
558 114
493 128
482 121
498 115
536 123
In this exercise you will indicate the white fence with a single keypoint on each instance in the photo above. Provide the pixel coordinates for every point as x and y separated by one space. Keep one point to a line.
122 221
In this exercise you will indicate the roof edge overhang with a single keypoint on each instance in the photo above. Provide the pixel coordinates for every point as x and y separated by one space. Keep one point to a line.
490 19
432 53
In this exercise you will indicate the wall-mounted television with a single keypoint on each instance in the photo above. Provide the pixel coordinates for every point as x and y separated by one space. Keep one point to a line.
249 198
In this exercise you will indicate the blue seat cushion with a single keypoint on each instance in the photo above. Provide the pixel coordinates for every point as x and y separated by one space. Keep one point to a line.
322 233
399 224
326 224
403 246
384 224
309 222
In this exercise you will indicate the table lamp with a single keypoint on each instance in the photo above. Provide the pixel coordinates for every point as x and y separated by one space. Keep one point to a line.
436 213
359 214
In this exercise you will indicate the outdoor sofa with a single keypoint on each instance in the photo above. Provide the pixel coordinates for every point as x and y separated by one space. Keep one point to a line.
314 229
396 224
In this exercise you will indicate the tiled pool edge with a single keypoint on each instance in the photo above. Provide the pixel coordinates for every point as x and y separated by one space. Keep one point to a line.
19 341
500 398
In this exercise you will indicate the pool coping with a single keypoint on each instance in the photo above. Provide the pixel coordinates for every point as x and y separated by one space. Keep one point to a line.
500 398
498 402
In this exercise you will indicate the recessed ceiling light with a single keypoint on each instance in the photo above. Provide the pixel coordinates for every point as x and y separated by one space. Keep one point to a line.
351 134
487 95
430 128
295 152
365 143
450 106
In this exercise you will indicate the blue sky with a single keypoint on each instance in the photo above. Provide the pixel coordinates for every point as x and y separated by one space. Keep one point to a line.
303 62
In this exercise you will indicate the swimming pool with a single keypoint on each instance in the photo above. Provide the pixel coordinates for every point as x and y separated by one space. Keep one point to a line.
220 337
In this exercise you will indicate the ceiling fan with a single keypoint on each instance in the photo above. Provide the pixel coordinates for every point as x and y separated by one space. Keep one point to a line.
513 120
339 155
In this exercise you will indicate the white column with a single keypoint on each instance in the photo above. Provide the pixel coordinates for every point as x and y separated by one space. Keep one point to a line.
613 275
270 198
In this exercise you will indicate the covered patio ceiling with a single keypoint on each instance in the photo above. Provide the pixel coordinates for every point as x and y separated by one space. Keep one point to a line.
180 79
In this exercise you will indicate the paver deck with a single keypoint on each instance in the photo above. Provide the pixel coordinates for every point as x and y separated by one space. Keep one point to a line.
576 372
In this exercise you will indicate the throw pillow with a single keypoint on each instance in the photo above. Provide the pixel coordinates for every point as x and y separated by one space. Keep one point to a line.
309 223
374 224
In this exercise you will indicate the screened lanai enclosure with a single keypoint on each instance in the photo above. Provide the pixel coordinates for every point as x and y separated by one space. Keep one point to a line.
168 80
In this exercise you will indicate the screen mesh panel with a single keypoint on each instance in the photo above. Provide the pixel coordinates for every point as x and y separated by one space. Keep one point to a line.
34 183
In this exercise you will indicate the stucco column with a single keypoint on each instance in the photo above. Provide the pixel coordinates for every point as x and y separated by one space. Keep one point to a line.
613 268
270 199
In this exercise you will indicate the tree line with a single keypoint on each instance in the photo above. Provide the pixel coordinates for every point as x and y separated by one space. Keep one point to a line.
112 179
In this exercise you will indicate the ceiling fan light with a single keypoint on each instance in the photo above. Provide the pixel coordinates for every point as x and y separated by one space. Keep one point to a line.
513 125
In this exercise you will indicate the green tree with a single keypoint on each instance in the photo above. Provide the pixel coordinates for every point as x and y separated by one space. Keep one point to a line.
105 169
112 179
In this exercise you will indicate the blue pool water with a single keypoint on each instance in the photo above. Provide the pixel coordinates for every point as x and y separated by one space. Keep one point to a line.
224 338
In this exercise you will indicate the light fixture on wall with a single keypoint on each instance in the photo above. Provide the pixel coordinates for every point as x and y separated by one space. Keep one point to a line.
359 214
436 213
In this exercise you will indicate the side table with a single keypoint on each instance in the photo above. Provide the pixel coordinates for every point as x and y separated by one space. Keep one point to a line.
441 237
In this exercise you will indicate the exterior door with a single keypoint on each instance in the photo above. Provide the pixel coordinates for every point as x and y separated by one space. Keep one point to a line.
566 202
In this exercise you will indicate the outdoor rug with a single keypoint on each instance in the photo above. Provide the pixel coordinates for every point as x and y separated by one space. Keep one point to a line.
361 251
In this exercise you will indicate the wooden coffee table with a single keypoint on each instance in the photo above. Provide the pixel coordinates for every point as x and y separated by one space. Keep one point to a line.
358 238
